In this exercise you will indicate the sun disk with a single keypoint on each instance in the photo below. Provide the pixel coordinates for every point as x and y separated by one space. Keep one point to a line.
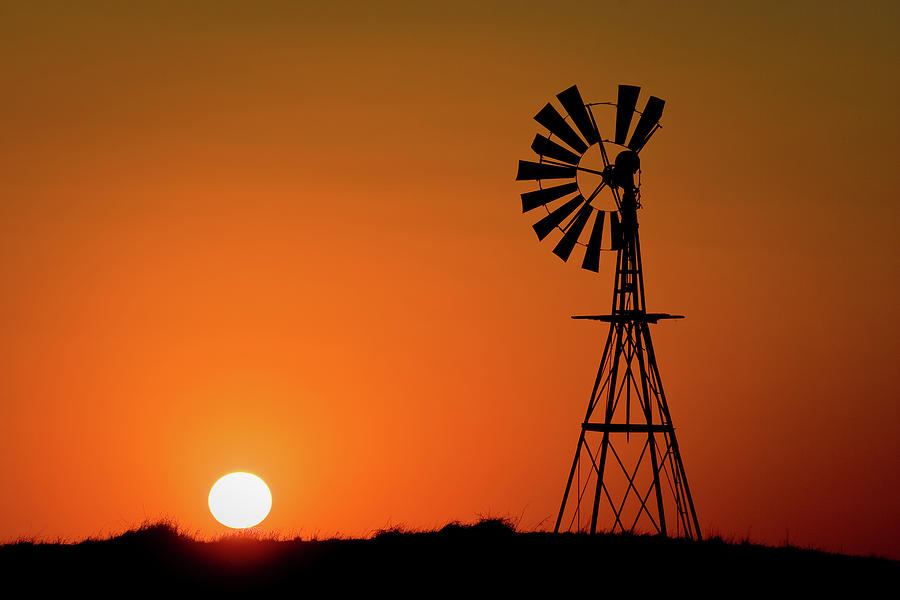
240 500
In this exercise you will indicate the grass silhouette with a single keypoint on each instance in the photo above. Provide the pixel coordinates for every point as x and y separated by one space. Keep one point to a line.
482 558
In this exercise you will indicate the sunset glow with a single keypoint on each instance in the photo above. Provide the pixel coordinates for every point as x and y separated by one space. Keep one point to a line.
287 238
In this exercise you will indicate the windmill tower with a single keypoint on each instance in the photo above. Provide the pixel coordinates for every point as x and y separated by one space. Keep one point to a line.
627 474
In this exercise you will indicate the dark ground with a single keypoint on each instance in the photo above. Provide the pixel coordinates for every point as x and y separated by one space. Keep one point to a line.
485 559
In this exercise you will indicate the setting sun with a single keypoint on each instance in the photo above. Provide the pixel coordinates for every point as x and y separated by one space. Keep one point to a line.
240 500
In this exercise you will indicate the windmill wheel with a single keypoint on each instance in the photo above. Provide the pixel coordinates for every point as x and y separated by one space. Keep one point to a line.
577 182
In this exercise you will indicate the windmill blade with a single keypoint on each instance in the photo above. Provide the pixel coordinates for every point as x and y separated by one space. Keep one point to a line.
546 147
615 230
532 170
599 139
570 238
574 105
628 96
592 254
543 227
531 200
650 117
555 124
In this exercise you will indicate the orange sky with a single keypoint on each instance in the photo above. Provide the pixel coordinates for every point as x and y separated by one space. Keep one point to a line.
251 236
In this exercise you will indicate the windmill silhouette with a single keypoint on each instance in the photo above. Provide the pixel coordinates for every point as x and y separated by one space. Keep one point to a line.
627 474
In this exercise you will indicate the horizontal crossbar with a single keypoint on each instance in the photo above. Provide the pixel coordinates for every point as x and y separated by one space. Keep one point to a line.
626 428
629 315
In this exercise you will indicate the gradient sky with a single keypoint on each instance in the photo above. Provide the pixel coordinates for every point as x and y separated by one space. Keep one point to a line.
288 240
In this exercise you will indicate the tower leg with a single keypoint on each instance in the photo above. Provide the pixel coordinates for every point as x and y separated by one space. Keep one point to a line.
607 419
661 511
599 490
592 403
648 415
562 507
672 442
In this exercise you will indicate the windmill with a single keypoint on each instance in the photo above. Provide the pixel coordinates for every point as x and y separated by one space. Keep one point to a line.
627 474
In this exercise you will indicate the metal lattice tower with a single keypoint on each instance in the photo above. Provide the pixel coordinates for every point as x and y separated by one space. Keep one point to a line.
627 474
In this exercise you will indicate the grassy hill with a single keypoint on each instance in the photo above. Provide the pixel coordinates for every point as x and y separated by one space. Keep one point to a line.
487 558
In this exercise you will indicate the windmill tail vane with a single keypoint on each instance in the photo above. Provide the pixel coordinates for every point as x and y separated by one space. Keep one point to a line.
627 474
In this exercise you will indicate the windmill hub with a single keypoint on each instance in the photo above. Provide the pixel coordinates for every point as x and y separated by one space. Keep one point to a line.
626 165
